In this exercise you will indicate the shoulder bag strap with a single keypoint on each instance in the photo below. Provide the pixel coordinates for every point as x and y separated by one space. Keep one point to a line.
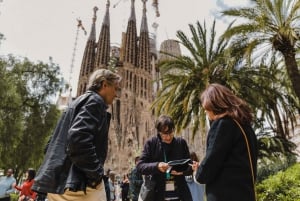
249 154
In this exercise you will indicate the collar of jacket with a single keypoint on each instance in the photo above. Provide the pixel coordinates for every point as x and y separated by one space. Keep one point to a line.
98 96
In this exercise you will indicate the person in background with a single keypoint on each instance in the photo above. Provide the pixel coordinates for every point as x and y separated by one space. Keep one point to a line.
196 189
7 184
73 166
229 167
112 188
26 194
158 151
106 184
135 182
125 188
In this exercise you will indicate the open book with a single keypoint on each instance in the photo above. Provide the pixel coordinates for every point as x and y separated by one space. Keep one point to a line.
180 165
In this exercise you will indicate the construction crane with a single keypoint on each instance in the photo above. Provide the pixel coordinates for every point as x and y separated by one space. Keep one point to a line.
79 27
155 5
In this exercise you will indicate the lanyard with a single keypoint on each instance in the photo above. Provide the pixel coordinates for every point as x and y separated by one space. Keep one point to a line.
168 175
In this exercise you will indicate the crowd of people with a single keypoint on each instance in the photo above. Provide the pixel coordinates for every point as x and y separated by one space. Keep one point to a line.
73 166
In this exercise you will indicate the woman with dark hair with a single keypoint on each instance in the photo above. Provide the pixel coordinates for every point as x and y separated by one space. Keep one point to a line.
229 166
26 194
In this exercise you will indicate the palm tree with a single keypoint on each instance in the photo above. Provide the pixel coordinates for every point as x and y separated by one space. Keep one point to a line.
271 24
212 60
265 87
185 77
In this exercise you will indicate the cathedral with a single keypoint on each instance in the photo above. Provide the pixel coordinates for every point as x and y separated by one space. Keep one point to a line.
136 61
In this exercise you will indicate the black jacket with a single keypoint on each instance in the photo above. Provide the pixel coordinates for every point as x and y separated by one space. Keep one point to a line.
226 168
78 147
153 154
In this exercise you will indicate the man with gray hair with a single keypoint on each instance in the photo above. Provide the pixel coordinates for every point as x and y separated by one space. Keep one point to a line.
73 166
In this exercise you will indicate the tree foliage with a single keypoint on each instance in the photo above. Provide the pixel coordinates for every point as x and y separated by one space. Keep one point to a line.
28 114
217 60
283 186
270 25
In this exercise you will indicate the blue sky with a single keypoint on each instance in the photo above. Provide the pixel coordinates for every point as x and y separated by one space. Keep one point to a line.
38 29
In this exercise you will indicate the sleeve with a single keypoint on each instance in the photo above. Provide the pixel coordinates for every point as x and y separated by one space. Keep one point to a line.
189 170
219 144
19 188
146 164
136 178
11 189
80 141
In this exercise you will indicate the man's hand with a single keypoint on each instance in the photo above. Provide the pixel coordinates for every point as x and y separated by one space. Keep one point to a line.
162 166
174 172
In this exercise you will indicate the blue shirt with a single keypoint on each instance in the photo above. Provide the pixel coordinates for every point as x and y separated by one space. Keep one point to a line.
6 186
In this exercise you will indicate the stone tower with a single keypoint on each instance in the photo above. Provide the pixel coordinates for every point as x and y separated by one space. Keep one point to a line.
88 61
132 119
171 47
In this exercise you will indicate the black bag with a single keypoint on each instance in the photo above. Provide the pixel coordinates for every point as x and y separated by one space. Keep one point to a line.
147 192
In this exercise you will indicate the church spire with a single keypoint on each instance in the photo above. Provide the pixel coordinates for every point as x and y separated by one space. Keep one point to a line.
93 28
144 25
130 52
87 64
144 44
103 45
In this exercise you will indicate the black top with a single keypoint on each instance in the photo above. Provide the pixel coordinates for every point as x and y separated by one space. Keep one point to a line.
226 168
153 153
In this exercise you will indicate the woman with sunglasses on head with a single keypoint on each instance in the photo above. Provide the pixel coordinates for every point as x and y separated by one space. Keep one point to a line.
164 147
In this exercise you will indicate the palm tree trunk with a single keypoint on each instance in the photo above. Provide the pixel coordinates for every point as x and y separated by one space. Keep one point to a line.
292 70
279 127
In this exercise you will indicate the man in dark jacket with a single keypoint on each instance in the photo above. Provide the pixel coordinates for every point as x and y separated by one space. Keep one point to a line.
158 151
73 165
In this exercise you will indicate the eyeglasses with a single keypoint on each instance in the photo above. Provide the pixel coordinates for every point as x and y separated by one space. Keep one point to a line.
165 134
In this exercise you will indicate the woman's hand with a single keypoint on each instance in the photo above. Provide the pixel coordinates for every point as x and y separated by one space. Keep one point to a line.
162 166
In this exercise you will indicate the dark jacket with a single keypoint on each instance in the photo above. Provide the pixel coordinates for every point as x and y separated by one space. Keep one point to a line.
226 168
77 149
153 154
136 181
106 186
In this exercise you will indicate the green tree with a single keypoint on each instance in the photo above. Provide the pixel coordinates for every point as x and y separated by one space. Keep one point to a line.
212 60
265 87
184 77
27 110
270 24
